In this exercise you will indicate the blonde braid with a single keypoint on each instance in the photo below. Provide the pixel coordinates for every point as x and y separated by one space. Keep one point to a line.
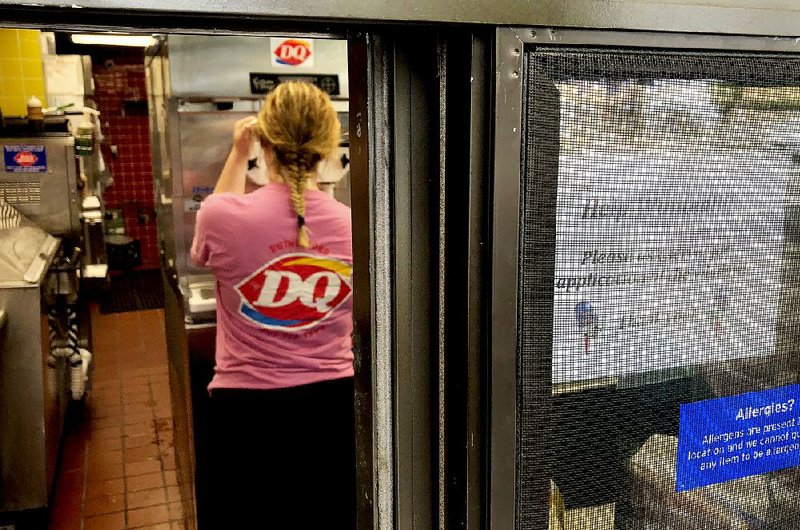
297 186
299 122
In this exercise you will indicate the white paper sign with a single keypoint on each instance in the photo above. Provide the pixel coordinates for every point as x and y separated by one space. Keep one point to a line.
666 259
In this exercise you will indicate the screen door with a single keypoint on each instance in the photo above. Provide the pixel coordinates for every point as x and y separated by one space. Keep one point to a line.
658 284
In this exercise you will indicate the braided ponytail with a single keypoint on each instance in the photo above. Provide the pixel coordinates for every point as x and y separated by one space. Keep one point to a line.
297 176
299 122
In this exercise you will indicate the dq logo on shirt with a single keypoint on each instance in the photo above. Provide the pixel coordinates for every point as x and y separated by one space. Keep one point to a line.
295 291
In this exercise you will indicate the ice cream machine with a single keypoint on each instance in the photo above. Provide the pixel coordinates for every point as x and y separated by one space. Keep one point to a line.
44 330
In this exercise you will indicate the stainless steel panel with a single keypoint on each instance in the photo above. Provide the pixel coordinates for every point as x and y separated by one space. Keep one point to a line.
157 117
376 204
33 399
180 393
753 17
372 254
202 139
228 61
33 395
206 139
158 94
48 199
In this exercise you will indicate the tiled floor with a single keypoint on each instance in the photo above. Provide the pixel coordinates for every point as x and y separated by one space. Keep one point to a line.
118 465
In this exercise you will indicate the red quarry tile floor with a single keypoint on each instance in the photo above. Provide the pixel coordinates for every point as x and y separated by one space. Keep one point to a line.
118 465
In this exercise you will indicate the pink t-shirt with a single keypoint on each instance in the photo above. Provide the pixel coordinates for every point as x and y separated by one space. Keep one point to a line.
284 313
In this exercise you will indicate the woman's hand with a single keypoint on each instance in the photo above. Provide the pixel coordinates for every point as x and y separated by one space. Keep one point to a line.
242 135
233 175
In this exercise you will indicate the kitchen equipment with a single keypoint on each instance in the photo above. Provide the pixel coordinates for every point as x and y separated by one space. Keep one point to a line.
39 178
33 392
44 356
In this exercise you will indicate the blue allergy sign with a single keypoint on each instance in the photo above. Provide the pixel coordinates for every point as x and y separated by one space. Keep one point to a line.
739 436
25 158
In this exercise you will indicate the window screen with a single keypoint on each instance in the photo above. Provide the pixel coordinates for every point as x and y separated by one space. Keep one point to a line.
658 277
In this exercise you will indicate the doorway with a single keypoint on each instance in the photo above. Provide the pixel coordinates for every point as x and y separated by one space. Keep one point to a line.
141 100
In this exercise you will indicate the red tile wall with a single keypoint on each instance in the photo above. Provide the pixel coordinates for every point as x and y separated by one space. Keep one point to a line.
121 97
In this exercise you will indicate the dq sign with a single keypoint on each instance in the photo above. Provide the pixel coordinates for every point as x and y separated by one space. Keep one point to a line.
292 52
294 291
25 158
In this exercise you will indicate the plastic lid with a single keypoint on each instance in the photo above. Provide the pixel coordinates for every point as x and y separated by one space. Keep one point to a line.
92 201
34 102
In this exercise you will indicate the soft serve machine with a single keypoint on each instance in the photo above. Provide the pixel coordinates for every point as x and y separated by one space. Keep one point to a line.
44 327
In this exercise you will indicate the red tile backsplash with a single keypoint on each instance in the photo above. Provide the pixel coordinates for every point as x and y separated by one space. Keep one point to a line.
120 94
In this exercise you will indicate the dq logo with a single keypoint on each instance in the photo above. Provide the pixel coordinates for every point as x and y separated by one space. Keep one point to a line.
295 291
25 158
292 52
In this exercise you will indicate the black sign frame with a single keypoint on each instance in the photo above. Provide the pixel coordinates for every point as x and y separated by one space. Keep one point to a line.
264 83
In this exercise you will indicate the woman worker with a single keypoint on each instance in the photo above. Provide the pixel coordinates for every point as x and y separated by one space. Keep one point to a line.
282 391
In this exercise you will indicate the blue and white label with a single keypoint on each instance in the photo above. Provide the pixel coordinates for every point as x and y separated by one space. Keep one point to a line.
739 436
25 158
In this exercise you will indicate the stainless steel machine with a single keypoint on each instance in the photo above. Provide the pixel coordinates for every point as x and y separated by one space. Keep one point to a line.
40 180
35 390
44 355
